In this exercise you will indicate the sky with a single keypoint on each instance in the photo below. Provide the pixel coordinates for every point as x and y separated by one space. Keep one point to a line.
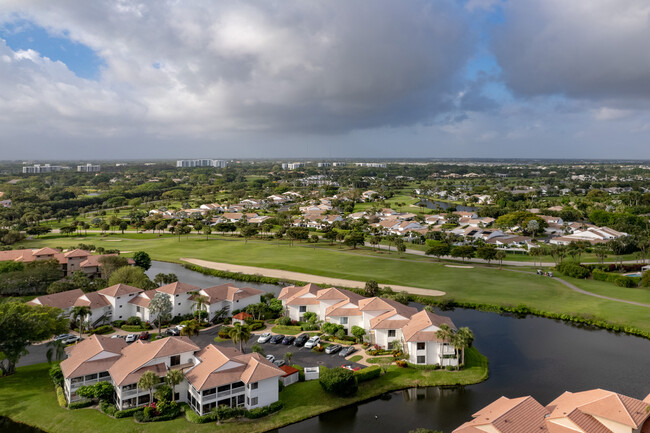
124 79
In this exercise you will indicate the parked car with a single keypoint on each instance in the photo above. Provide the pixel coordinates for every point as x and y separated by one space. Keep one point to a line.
270 358
276 339
347 351
312 342
62 337
289 339
71 339
351 368
174 332
131 338
301 340
333 348
180 327
118 336
264 337
279 362
144 336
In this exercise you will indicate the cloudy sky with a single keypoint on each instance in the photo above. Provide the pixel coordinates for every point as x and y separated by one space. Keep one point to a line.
356 78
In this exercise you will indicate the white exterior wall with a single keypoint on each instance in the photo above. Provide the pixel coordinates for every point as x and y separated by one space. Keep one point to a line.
96 313
295 314
266 393
383 340
122 310
352 321
432 351
182 304
240 304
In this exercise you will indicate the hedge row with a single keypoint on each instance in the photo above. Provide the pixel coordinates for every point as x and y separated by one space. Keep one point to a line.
107 408
619 280
134 328
368 373
573 270
80 404
233 275
523 310
140 417
225 412
127 412
60 397
104 329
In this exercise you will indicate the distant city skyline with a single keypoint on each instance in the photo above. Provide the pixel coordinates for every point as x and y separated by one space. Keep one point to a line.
359 79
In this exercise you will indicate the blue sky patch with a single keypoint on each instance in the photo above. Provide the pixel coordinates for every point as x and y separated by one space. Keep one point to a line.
80 59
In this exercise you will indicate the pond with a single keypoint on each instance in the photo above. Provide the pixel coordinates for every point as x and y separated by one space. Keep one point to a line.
529 356
443 205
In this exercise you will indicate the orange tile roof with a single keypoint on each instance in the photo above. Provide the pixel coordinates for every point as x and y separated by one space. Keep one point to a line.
46 252
119 290
80 360
228 292
518 415
419 322
61 300
92 300
77 253
178 288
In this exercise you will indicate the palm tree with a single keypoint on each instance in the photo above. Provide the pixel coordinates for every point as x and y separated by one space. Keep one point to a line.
447 335
464 339
148 381
240 334
191 329
55 352
173 378
80 313
199 301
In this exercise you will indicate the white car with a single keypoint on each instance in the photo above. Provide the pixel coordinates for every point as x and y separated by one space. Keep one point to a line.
131 338
312 342
270 358
264 337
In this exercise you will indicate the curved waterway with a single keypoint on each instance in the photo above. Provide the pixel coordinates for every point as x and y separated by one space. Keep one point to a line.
530 356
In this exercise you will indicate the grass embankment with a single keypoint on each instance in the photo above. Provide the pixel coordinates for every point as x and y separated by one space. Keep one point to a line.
478 284
28 397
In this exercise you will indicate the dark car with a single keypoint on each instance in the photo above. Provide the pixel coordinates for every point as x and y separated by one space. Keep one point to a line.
301 340
279 362
333 348
347 351
144 336
289 339
173 332
276 339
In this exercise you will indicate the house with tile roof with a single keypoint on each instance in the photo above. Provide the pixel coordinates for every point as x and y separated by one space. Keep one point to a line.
214 376
71 261
592 411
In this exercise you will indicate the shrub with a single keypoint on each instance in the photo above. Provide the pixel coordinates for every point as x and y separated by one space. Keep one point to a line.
119 323
283 321
104 329
60 397
450 368
401 363
573 270
56 375
107 408
339 381
147 413
233 275
258 324
80 404
264 411
368 373
624 281
134 320
224 332
136 328
127 412
619 280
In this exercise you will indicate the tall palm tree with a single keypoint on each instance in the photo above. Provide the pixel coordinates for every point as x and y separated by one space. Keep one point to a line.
173 378
240 334
199 301
464 339
447 335
148 381
55 351
191 329
80 313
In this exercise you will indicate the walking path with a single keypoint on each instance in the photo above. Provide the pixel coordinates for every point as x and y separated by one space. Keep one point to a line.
309 278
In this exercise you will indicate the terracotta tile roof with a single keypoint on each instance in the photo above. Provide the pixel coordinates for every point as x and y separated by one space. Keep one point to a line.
389 320
416 329
228 292
92 355
518 415
144 298
135 356
285 292
14 255
383 304
92 300
289 370
77 253
46 252
220 366
178 288
309 289
61 300
241 315
119 290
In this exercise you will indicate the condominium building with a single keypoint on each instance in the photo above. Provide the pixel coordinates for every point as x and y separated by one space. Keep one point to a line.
89 168
191 163
38 169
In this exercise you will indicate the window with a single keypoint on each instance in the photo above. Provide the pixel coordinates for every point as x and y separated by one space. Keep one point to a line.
209 391
179 303
420 346
421 359
391 332
104 374
302 309
175 360
254 401
138 309
344 320
254 385
223 388
120 306
90 377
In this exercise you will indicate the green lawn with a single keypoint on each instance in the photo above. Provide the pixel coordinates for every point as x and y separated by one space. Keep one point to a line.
479 284
28 397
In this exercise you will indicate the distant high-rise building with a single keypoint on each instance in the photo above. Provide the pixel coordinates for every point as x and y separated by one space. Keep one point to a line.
38 168
191 163
324 164
370 164
292 165
89 168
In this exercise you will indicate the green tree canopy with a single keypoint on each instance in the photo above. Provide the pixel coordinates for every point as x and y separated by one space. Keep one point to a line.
132 276
142 260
